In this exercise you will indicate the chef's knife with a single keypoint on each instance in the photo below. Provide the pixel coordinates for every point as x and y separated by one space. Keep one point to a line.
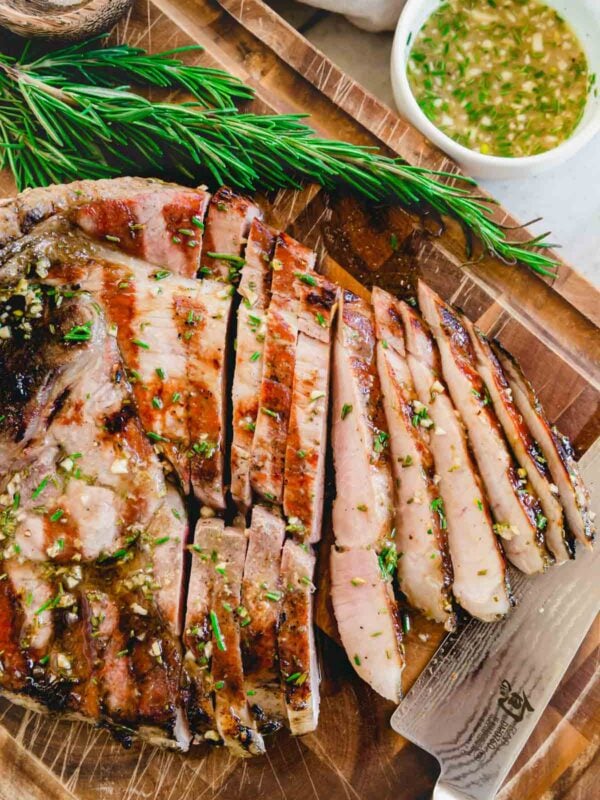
476 703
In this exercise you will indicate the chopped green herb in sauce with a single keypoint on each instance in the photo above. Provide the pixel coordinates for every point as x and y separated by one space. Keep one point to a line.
507 78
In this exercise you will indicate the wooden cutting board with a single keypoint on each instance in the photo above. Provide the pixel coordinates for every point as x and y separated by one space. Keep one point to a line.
551 326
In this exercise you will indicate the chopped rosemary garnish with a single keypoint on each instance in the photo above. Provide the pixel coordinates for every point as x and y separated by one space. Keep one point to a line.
388 560
437 506
156 437
346 409
380 441
214 623
79 333
40 487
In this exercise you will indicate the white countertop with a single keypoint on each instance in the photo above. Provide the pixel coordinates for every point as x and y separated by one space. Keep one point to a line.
567 197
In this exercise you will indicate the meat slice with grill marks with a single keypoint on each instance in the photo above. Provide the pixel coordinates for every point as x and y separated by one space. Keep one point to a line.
300 673
364 554
217 702
480 583
234 721
424 568
228 222
78 507
367 618
254 289
159 223
526 450
557 451
197 637
363 509
202 318
307 433
515 508
291 262
261 606
172 333
84 473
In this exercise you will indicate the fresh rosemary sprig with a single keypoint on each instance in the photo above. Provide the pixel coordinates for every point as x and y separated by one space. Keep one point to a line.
66 116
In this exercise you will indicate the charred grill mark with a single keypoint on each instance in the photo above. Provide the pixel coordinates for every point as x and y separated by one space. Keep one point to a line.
15 667
325 298
118 422
57 406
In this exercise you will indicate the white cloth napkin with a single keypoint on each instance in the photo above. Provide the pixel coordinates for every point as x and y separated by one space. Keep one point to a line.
371 15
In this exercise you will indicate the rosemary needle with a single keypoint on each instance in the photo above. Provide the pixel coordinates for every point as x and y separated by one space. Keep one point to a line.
67 115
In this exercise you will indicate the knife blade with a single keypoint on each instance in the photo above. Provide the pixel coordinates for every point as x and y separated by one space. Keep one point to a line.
476 703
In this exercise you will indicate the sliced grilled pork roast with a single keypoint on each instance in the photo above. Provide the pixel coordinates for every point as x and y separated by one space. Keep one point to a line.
516 510
480 583
115 308
424 569
364 556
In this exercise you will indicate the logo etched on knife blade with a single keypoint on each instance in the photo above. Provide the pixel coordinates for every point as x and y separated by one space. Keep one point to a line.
515 704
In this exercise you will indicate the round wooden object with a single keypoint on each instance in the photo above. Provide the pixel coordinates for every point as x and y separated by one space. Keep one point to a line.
61 19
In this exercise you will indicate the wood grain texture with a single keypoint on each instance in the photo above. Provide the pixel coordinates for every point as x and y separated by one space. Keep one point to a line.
354 755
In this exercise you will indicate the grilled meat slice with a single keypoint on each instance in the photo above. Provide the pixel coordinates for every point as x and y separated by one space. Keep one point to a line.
254 288
363 509
197 636
557 451
234 721
291 262
261 605
479 571
166 540
161 224
25 622
81 501
524 447
307 434
298 659
172 333
81 475
213 619
204 328
424 569
515 508
228 221
367 618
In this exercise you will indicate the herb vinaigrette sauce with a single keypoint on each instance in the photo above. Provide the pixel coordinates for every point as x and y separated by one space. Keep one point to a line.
505 77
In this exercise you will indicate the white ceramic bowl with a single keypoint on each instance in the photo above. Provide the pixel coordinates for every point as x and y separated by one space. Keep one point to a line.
584 18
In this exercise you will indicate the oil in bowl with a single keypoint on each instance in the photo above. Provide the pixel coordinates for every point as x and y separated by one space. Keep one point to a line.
503 77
